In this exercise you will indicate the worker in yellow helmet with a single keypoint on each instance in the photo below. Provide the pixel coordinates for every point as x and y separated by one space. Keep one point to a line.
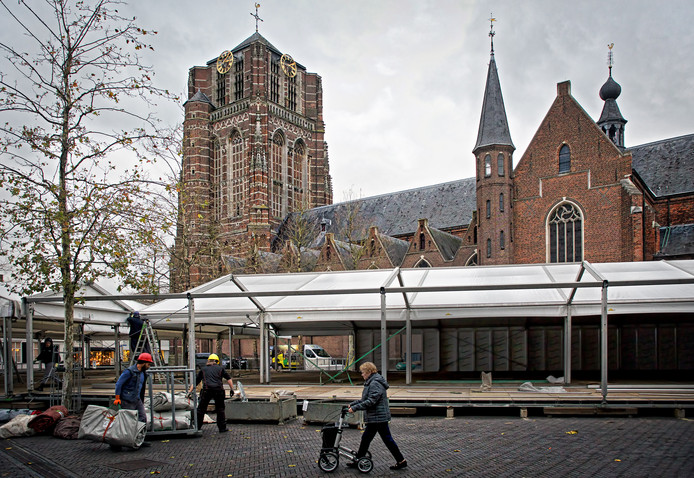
212 376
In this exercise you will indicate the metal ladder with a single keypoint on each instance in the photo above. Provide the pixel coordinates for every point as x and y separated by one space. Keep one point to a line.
147 335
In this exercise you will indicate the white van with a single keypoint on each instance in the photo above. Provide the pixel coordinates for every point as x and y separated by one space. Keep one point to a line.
316 357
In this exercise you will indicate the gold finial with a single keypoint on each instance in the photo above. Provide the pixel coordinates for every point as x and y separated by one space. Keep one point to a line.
257 6
491 30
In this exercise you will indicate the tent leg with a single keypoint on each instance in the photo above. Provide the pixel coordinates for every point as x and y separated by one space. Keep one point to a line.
408 348
29 359
384 336
567 347
603 343
191 333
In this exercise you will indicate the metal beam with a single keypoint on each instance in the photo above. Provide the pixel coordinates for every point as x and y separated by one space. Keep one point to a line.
384 336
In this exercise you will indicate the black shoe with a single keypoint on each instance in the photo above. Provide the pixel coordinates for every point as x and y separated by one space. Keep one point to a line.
116 448
399 466
224 431
146 444
351 464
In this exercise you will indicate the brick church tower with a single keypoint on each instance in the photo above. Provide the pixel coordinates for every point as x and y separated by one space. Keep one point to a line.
494 174
253 151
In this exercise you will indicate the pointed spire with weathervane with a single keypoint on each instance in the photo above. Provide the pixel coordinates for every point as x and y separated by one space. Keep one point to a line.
493 129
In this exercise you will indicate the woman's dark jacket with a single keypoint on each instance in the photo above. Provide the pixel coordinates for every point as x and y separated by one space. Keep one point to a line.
48 354
374 400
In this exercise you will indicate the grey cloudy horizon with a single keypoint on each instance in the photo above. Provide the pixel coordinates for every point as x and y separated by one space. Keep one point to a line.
403 81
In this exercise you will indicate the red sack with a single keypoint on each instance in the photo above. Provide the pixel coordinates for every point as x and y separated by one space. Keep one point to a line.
67 428
45 421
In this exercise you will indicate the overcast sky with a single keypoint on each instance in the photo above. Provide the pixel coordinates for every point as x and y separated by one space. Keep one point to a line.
403 80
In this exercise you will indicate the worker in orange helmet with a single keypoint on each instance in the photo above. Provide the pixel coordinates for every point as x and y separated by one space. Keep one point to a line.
130 389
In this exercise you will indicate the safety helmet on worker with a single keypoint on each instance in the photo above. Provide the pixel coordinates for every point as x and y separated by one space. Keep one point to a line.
213 357
145 357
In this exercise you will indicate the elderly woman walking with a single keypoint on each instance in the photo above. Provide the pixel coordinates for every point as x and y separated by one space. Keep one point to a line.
375 401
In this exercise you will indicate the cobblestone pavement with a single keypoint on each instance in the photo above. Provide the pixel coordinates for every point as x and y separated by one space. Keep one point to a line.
433 446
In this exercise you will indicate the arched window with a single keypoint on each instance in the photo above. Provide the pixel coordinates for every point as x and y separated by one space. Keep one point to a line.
217 193
422 263
472 261
565 234
238 174
489 209
487 166
277 173
422 241
489 248
564 159
500 164
501 202
502 241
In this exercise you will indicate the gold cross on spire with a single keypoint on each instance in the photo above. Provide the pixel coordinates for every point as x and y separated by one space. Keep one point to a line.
491 30
257 6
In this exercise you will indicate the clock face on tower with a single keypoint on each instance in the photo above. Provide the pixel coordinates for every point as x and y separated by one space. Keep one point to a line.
288 65
224 62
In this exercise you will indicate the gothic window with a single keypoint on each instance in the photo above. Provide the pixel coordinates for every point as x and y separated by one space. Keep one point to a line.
327 253
238 78
277 160
297 176
216 181
565 234
291 93
275 80
221 89
501 202
487 166
489 209
502 241
372 247
422 241
472 261
422 263
238 174
489 248
564 159
500 164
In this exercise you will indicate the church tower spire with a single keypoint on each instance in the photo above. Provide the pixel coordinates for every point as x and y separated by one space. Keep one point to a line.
611 120
493 154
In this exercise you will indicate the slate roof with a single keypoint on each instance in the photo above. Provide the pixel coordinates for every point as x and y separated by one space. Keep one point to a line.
493 128
445 205
676 241
395 248
199 96
448 244
256 37
666 167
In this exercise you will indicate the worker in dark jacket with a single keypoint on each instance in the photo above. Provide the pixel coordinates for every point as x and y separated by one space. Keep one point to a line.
212 376
48 356
136 323
130 390
374 400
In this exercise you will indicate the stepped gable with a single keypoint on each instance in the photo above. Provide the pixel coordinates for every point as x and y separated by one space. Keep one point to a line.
666 167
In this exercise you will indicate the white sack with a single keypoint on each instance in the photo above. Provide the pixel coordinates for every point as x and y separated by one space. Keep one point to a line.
115 427
17 427
164 420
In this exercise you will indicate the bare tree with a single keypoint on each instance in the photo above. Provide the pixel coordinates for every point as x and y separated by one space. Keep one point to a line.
72 169
353 227
300 229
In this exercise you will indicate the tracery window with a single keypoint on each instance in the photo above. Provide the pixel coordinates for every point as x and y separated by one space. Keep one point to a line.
422 263
565 234
502 240
276 176
238 174
489 209
275 80
216 180
221 89
564 159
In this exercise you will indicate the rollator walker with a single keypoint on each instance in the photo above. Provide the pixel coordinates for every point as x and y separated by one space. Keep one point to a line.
331 450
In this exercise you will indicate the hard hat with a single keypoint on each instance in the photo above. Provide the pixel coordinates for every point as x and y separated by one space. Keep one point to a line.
213 357
145 357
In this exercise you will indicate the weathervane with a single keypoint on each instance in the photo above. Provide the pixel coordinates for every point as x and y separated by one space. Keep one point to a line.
610 57
491 30
257 6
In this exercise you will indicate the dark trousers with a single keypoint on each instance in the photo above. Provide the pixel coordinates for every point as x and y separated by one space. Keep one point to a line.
384 430
218 397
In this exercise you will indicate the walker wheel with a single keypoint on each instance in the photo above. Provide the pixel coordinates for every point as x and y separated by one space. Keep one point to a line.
365 465
328 461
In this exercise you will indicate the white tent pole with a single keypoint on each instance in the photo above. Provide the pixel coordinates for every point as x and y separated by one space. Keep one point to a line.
191 332
263 347
408 347
30 344
384 336
603 343
567 346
